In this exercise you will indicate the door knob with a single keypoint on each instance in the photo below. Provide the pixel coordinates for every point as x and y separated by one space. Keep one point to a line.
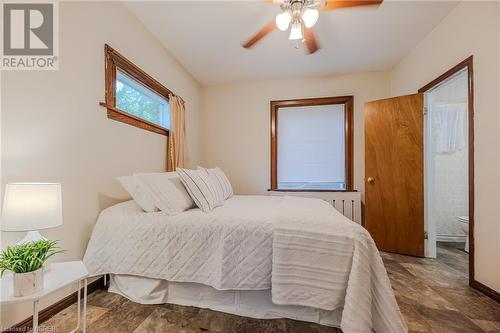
371 180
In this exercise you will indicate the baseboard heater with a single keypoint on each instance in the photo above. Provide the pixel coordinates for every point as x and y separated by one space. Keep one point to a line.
346 202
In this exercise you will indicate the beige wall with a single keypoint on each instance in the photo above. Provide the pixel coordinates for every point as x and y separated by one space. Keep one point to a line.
235 122
54 130
472 28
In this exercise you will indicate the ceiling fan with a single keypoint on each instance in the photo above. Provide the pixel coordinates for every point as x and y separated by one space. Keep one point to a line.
300 16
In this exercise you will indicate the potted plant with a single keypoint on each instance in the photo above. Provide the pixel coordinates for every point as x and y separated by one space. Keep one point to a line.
26 262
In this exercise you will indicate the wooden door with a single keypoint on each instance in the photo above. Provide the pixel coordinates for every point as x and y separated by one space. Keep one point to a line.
394 174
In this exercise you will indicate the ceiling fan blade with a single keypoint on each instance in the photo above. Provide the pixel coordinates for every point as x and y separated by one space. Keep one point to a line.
261 34
310 40
337 4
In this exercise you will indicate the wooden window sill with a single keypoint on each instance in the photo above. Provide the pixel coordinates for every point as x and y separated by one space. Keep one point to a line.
119 115
305 190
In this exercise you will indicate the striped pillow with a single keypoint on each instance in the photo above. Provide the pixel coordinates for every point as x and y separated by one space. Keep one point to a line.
222 181
202 188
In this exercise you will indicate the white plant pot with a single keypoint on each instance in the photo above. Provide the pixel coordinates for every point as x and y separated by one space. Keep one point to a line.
28 283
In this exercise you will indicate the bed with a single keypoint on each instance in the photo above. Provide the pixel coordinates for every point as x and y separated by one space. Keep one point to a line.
257 256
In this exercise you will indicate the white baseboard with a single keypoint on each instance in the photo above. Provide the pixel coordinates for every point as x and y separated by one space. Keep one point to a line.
451 238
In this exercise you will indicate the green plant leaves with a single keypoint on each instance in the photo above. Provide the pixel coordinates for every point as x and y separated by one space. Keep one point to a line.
27 257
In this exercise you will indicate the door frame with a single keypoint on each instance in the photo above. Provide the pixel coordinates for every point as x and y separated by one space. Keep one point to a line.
467 63
430 225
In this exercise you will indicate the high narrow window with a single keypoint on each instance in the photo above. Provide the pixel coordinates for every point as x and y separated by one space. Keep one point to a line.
137 100
134 97
311 144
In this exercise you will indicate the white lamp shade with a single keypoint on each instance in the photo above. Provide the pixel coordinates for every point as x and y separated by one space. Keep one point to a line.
31 206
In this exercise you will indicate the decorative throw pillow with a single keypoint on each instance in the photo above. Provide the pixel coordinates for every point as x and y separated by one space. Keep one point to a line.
167 191
202 188
138 192
218 189
222 181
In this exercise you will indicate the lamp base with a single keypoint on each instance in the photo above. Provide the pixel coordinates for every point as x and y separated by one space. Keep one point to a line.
31 236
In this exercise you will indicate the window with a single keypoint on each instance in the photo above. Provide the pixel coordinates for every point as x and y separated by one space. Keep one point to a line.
134 97
311 144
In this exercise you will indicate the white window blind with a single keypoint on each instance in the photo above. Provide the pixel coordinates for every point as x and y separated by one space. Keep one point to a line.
311 147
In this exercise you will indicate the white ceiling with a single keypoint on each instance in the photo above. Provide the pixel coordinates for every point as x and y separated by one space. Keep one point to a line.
206 37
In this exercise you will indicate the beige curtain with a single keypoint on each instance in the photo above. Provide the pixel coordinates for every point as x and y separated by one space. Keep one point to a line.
177 147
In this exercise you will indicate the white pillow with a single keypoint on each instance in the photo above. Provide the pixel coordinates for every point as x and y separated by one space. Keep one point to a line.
138 192
167 191
203 188
222 181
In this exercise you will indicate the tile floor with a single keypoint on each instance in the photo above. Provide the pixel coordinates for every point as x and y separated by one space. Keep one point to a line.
433 295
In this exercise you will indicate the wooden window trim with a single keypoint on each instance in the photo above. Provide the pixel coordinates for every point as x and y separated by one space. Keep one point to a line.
348 101
114 61
312 190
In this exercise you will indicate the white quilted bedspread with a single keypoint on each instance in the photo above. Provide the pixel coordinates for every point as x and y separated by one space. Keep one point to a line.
228 248
323 260
302 249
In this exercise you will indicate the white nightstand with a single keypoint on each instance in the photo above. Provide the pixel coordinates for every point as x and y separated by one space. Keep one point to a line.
59 275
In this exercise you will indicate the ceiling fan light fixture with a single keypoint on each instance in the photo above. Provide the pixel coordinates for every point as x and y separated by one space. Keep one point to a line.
296 31
283 21
310 17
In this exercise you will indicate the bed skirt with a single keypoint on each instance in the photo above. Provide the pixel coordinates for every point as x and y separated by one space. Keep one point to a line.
247 303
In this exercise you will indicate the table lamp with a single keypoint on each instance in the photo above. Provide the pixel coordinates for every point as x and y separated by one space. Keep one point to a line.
31 207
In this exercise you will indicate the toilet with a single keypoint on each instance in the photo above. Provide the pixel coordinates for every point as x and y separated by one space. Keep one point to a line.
464 224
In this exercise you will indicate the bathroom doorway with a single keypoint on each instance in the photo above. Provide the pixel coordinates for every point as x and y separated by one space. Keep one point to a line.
448 168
